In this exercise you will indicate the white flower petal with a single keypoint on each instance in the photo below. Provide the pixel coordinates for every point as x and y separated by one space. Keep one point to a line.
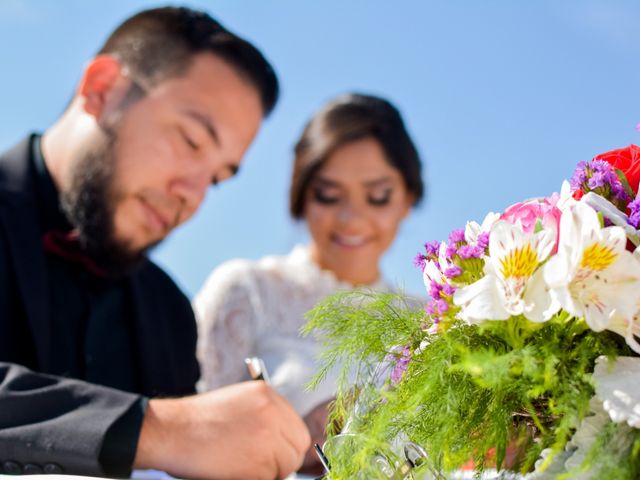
627 327
563 298
442 256
597 316
432 273
488 221
471 232
609 211
540 306
481 301
544 240
504 238
566 198
614 238
558 271
618 387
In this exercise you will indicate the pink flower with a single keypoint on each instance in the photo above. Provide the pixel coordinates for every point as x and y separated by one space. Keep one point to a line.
533 213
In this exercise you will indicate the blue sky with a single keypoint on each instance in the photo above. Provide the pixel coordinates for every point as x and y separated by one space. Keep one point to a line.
503 98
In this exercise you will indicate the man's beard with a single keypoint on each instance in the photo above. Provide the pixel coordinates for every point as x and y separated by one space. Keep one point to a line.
89 205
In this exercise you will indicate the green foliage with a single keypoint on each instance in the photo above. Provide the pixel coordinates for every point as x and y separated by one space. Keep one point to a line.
495 394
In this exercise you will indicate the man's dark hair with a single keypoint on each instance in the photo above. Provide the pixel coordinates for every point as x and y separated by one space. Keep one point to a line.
161 43
346 119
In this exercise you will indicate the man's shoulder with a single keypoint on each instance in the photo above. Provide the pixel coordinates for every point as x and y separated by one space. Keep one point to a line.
157 295
151 276
15 181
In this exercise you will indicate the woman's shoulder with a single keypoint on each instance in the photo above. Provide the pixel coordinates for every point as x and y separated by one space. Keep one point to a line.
246 273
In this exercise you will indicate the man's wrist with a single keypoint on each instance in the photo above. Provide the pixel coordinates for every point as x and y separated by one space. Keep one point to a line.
154 443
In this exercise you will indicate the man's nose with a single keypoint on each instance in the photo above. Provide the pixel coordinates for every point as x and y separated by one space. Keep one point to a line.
190 190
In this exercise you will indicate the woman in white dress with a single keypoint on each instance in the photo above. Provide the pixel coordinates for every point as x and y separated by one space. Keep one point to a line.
356 176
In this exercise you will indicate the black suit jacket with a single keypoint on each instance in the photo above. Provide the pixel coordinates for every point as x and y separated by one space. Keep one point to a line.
51 421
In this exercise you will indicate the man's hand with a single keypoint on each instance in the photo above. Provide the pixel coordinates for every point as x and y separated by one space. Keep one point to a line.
243 431
316 421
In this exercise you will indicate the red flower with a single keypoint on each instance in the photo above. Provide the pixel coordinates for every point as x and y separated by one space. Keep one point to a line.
627 160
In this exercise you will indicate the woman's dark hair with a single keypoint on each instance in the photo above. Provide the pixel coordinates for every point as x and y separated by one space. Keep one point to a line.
346 119
160 43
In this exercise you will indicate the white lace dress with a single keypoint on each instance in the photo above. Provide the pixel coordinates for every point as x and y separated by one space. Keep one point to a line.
256 308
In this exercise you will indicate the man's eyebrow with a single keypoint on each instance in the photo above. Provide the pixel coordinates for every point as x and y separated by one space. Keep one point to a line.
234 169
206 122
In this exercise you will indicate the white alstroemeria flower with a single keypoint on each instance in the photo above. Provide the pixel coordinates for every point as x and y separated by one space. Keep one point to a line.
473 229
612 213
513 283
433 272
627 327
566 197
592 275
616 385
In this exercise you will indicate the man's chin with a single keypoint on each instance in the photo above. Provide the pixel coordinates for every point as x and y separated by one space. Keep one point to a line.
117 260
118 264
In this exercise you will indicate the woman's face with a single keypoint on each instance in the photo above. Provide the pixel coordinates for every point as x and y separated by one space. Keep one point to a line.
353 207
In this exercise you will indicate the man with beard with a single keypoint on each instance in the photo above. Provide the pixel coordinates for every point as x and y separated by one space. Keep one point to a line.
97 344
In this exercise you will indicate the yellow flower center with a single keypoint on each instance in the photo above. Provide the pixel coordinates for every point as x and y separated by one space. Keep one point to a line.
597 257
521 262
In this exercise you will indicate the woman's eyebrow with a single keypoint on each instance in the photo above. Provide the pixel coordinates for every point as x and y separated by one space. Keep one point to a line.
378 182
325 182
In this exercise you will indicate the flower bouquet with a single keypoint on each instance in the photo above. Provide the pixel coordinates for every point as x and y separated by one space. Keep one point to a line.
525 358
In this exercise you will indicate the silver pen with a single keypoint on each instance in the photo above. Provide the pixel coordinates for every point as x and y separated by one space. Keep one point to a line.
257 369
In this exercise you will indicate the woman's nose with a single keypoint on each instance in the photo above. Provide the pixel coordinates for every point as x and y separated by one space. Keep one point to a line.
349 212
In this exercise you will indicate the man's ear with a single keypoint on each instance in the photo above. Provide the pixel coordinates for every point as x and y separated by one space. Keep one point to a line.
99 78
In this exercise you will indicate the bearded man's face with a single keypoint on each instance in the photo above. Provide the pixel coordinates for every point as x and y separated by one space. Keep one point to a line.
152 168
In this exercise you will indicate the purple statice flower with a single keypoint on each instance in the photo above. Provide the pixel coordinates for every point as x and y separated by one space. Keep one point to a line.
451 250
430 308
456 236
579 176
604 176
601 171
434 290
483 240
619 192
401 365
470 251
432 249
598 175
448 289
443 305
598 179
638 127
419 261
634 213
452 271
437 306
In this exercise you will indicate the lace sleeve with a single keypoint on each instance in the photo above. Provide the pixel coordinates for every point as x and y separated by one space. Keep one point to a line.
227 309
